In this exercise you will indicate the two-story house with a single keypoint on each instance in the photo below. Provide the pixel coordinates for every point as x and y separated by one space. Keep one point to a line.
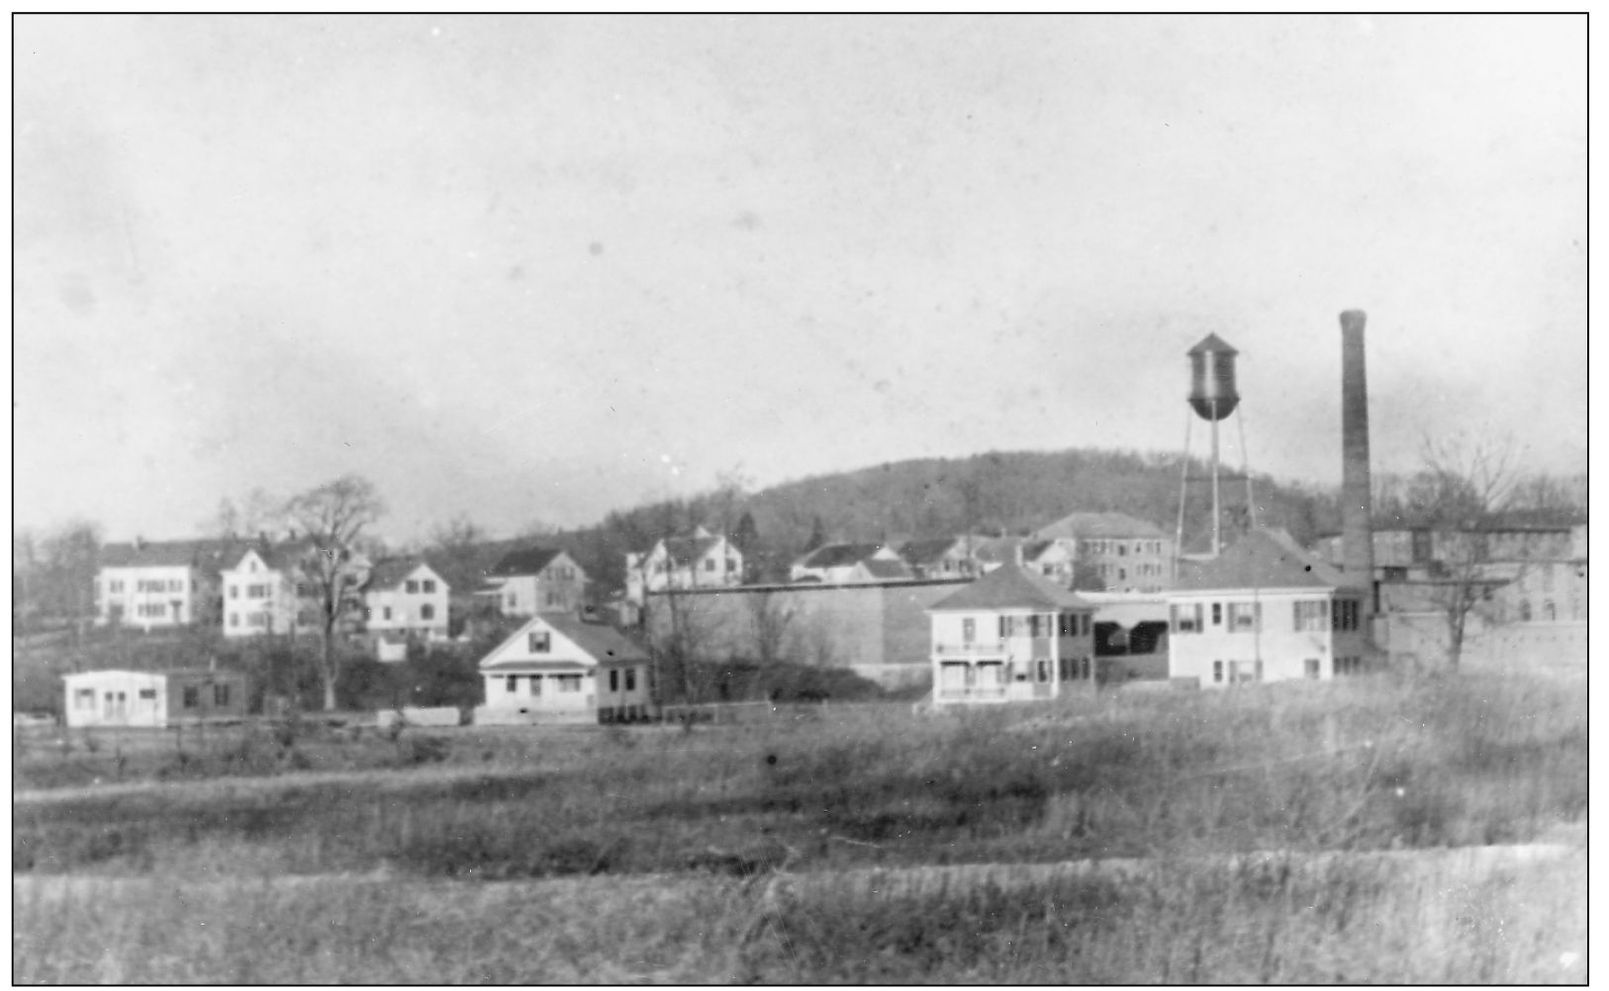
264 592
1011 635
158 584
405 597
850 564
699 560
536 580
1127 554
1264 610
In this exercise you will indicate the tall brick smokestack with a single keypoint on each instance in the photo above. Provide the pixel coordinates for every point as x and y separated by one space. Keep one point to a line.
1357 537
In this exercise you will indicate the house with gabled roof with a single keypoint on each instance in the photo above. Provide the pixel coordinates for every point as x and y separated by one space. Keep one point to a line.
1264 609
849 564
158 584
535 580
1010 636
943 557
557 668
698 560
264 591
405 598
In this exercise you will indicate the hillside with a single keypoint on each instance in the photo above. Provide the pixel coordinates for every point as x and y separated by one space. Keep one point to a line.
1008 491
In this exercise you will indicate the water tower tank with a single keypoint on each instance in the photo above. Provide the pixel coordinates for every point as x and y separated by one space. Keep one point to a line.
1212 378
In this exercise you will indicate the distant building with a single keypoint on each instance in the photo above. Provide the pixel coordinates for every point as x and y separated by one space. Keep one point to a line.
944 557
1052 559
404 598
1128 554
152 699
557 668
848 564
1012 635
159 584
698 560
1264 610
536 580
264 591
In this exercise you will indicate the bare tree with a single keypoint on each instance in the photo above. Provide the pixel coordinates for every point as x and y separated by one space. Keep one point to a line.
1459 494
333 517
681 633
260 510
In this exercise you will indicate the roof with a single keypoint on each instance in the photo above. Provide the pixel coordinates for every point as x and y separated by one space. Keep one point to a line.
838 555
879 568
687 550
1264 558
1033 548
1098 525
390 572
926 551
526 561
1010 586
602 643
169 553
1212 342
274 555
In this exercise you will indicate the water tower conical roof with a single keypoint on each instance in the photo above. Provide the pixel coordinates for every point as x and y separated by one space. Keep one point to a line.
1213 343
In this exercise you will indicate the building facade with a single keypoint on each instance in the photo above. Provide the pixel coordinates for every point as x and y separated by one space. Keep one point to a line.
536 580
1265 610
1011 635
843 564
159 584
559 669
152 699
1127 554
699 560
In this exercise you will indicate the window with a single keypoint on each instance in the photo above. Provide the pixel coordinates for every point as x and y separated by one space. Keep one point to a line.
631 679
1310 667
1345 617
511 600
148 694
410 587
1310 616
969 630
1122 550
614 680
1548 612
1218 672
192 696
257 619
385 613
84 698
234 591
428 586
1043 671
569 682
555 599
709 564
1217 614
539 642
511 684
234 619
427 611
1067 625
151 609
116 586
220 694
731 565
536 685
1525 610
1187 618
1244 617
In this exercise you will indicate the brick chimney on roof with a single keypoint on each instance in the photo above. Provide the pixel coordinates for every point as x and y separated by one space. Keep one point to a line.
1357 537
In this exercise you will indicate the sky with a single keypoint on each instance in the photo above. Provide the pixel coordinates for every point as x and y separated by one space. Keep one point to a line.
532 269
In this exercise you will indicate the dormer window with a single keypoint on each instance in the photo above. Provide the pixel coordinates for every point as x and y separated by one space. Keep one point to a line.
539 642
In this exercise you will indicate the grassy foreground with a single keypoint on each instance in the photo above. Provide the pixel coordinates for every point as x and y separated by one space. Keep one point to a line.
647 853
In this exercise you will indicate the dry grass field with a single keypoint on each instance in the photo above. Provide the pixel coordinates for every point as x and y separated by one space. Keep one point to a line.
811 846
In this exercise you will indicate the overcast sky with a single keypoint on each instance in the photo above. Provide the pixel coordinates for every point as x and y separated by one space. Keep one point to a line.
539 268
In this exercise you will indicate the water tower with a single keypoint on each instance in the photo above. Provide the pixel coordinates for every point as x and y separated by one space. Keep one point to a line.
1213 397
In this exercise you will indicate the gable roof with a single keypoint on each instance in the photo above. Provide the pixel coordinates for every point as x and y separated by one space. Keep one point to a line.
880 568
276 556
1011 587
926 551
687 550
838 555
526 561
1264 558
604 644
390 572
1099 525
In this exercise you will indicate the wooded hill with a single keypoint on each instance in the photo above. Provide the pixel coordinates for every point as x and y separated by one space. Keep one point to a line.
1002 491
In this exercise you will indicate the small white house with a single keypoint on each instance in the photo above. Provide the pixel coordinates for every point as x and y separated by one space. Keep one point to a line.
152 698
1264 610
849 564
1010 636
536 580
699 560
557 668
